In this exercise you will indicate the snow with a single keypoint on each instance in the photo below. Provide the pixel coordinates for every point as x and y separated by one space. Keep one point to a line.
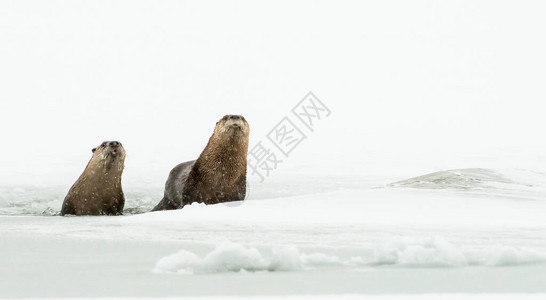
403 252
229 257
428 179
486 237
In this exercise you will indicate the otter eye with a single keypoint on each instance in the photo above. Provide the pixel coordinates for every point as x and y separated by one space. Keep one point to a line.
103 144
225 118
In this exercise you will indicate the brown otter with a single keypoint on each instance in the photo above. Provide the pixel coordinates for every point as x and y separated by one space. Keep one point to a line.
98 190
218 175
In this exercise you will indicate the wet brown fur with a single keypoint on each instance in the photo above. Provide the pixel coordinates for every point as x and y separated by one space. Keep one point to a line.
218 175
98 190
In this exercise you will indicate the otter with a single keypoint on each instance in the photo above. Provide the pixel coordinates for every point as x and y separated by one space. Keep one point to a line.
218 175
98 189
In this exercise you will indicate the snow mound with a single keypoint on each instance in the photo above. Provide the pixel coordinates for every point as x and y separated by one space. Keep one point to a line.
233 257
454 179
426 252
515 184
439 252
227 257
510 256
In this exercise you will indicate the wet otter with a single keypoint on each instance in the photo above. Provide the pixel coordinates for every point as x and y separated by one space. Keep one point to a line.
218 175
98 190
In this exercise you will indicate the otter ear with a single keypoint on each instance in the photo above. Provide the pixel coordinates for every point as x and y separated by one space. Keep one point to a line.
93 150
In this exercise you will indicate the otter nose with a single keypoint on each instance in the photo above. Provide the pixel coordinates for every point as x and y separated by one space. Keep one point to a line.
113 144
235 117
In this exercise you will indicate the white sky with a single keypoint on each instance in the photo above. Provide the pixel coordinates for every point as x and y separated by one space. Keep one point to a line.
156 75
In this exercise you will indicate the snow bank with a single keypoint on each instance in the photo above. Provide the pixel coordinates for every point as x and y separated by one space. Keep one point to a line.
232 257
227 257
510 256
506 181
439 252
402 252
427 252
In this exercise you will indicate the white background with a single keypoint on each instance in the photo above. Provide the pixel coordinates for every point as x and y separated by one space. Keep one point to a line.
414 87
421 76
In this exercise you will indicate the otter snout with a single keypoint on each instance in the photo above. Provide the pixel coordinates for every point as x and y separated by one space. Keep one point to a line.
234 121
114 148
234 124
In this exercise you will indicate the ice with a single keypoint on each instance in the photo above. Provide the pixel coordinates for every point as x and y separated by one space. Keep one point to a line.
513 256
232 257
486 238
428 177
227 257
319 260
433 252
286 258
428 252
454 179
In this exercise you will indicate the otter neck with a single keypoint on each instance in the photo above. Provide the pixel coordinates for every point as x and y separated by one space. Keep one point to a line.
223 157
104 172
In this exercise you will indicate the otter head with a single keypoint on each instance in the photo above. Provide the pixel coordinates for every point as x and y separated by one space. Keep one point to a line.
232 126
109 154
